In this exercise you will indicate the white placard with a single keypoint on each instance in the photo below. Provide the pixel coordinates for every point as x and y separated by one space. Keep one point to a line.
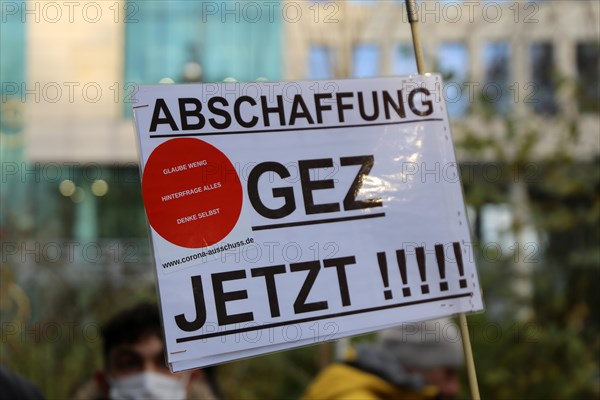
286 214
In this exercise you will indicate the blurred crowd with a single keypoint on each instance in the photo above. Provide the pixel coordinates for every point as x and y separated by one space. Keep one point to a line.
413 361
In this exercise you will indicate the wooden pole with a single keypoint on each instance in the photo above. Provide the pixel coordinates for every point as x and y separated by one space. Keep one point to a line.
413 19
472 374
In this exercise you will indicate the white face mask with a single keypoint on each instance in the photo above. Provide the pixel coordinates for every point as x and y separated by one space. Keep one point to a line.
147 386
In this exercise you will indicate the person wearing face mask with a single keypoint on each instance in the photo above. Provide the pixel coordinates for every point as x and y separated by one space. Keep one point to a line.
135 368
417 361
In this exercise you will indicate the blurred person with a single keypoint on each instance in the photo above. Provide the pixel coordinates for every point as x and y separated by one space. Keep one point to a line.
413 361
14 386
134 363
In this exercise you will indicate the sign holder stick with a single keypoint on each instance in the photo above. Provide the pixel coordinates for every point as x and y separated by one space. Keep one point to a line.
413 19
472 374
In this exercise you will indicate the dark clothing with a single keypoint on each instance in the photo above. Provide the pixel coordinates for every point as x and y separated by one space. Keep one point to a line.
13 386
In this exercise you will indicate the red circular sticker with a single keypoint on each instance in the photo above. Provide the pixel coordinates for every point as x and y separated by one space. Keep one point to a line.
192 193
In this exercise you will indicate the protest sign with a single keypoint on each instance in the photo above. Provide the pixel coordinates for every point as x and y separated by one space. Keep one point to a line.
286 214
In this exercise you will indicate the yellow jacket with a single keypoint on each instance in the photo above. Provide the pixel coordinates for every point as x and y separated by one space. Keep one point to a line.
345 382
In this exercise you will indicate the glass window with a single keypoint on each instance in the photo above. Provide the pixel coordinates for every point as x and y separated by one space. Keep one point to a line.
542 75
404 62
498 227
366 61
320 63
453 63
120 208
182 41
14 193
89 203
12 71
496 92
588 65
12 41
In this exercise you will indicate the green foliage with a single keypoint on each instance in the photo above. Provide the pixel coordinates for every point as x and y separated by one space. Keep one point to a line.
53 337
283 375
532 361
554 353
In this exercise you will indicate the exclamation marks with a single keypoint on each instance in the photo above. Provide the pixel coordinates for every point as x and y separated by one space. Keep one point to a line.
459 262
382 260
440 256
441 262
401 257
422 271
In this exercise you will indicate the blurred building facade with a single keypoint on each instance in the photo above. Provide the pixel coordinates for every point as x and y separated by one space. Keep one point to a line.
512 54
522 81
521 74
68 73
69 159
